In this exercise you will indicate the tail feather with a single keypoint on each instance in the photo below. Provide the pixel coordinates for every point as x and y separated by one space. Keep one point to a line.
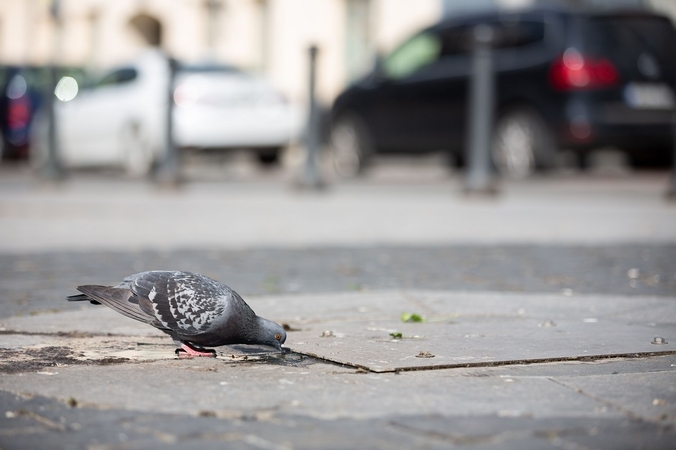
81 298
116 299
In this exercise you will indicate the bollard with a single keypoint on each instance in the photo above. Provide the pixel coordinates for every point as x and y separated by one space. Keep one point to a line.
168 171
671 193
52 169
311 177
481 111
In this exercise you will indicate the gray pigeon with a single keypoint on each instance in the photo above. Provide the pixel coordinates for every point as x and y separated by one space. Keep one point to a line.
194 310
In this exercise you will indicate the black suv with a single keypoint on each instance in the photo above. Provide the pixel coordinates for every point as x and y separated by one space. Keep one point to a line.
565 80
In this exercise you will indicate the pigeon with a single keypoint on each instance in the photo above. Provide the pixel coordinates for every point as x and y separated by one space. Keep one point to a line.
195 310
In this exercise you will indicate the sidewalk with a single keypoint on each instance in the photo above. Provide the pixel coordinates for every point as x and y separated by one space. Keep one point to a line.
90 214
523 371
516 370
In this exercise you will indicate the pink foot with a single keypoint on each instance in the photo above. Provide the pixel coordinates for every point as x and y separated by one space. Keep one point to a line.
186 351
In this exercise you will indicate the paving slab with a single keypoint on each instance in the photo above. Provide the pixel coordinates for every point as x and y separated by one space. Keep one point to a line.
233 389
370 344
40 422
366 330
650 396
302 403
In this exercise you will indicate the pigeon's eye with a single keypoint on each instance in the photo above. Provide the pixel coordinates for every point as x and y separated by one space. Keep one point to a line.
278 336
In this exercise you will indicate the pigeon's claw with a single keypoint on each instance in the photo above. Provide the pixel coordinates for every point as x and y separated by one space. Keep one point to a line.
186 351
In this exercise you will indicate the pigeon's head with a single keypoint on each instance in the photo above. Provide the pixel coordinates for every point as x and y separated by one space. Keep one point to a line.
272 334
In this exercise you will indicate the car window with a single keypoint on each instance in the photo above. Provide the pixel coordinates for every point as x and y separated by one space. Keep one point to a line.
120 76
4 76
626 40
457 40
512 34
419 51
506 34
208 68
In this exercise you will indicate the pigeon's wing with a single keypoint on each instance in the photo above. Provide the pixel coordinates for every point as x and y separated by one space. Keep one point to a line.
120 299
81 298
183 302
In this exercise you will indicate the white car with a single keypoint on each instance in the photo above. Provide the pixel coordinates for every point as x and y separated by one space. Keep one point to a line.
121 120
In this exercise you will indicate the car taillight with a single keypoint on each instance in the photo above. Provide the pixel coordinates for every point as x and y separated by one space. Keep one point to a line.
573 71
19 113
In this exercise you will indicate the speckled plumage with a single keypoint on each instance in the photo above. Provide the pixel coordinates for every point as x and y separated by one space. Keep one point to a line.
191 308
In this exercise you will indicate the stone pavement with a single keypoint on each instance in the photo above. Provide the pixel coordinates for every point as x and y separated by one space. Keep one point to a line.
483 370
526 367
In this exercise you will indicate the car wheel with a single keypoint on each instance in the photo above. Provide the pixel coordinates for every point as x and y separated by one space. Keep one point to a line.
350 146
521 144
138 158
268 157
657 157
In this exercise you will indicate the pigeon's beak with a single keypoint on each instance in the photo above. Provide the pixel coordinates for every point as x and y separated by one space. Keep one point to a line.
278 346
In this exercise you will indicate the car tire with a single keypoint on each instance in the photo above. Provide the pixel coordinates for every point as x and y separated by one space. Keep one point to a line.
350 146
137 153
651 157
521 144
268 157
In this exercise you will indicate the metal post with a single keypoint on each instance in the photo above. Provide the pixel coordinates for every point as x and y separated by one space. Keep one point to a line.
671 194
168 171
311 174
481 114
52 169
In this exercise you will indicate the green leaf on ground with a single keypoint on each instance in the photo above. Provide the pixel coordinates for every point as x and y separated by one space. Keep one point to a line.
411 317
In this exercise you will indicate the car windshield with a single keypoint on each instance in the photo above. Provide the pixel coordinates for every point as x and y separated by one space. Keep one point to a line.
412 55
202 68
120 76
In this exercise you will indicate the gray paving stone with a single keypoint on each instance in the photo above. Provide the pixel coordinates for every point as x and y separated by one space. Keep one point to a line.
500 341
229 389
651 396
31 422
30 283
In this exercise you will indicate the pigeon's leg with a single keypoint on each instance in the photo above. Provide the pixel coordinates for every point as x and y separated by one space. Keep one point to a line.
188 351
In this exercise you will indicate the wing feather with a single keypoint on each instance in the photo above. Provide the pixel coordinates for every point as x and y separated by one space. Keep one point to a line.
183 302
119 299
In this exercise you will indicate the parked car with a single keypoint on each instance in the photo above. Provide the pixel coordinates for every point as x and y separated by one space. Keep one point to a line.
21 93
18 100
565 79
121 119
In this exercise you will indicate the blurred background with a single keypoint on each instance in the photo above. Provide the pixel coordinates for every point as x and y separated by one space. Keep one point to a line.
570 77
563 108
